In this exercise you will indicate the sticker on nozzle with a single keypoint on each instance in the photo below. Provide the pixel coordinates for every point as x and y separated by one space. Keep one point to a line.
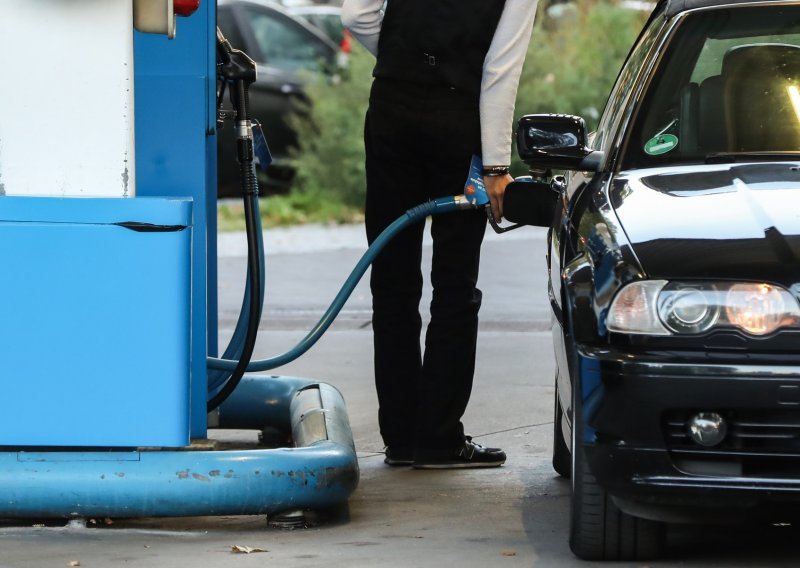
260 147
474 188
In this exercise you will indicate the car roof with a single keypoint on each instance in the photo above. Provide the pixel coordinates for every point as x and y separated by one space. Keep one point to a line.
674 7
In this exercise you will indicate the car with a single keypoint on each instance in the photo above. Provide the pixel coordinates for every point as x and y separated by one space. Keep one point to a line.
673 255
326 18
287 50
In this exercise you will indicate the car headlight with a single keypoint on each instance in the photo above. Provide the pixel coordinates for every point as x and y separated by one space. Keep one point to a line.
688 309
760 309
659 307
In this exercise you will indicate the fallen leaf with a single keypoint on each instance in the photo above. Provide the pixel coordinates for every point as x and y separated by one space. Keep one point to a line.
74 563
509 553
236 549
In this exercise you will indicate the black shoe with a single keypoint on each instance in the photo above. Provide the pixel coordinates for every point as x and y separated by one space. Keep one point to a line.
468 455
399 456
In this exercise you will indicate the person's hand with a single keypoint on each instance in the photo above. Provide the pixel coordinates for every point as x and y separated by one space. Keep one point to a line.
496 187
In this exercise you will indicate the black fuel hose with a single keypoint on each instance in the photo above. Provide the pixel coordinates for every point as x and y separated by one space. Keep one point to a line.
239 69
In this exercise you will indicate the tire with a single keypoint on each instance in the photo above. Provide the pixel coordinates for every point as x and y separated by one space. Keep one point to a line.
599 530
561 458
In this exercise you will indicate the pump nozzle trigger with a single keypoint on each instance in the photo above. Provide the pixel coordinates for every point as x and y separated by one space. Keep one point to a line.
497 228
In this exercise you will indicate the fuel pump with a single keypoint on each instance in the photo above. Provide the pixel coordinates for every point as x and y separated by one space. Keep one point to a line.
109 307
112 421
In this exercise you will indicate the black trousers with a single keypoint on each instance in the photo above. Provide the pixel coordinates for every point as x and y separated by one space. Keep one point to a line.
419 142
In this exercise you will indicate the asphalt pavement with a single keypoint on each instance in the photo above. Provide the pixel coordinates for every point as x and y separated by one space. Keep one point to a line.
515 515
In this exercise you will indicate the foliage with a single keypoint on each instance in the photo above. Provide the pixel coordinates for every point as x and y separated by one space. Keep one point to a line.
292 209
573 60
330 160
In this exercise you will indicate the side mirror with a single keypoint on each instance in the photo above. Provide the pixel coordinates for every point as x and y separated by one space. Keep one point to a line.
530 203
555 141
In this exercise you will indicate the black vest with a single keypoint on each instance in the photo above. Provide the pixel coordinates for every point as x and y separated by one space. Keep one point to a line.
437 42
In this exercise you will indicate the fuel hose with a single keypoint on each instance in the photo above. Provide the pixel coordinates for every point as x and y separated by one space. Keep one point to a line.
413 215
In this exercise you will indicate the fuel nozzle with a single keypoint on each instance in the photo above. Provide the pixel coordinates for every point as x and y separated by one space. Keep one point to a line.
476 197
234 64
474 189
236 68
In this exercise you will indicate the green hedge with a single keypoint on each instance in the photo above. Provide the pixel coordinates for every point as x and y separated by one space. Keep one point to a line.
330 159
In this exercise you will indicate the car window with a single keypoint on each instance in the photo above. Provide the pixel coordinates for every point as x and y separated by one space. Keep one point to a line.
623 87
728 85
284 43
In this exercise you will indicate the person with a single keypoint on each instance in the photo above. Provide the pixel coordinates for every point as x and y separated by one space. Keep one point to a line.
444 88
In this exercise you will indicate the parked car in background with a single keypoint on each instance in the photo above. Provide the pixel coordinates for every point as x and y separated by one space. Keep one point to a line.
286 50
674 264
326 18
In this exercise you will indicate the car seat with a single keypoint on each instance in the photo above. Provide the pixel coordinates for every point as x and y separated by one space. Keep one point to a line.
761 97
702 117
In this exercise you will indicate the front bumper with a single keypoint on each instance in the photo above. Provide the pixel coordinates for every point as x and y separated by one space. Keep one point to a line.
634 411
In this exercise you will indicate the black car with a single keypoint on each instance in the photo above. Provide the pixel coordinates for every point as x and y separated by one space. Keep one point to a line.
286 50
674 264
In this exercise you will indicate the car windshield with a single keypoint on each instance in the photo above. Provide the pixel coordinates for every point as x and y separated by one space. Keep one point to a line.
726 89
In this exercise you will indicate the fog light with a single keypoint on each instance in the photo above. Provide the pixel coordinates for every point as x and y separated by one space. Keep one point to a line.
707 428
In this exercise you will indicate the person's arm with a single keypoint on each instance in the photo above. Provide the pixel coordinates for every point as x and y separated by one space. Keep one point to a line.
364 18
501 72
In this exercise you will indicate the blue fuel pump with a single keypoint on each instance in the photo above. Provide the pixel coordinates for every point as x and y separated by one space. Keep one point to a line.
126 434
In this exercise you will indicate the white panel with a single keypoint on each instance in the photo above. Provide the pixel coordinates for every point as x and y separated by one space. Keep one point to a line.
66 97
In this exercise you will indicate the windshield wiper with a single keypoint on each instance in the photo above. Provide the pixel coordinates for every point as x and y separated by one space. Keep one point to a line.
733 157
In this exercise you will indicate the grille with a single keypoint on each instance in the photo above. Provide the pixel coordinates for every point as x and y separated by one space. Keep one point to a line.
758 444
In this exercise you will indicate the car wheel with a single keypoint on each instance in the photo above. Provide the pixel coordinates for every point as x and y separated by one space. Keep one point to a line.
599 530
561 457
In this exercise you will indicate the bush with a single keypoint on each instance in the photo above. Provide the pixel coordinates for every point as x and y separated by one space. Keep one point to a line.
572 62
330 160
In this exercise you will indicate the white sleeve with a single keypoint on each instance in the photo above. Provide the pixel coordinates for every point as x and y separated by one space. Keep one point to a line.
501 72
364 18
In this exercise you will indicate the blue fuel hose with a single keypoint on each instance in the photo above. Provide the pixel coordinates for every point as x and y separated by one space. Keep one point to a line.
436 207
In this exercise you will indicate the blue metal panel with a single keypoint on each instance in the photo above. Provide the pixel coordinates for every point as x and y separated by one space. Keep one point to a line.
175 156
94 334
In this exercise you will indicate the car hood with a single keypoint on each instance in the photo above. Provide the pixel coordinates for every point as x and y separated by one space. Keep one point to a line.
710 222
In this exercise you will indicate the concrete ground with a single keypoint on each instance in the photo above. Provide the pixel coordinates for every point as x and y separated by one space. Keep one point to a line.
516 515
